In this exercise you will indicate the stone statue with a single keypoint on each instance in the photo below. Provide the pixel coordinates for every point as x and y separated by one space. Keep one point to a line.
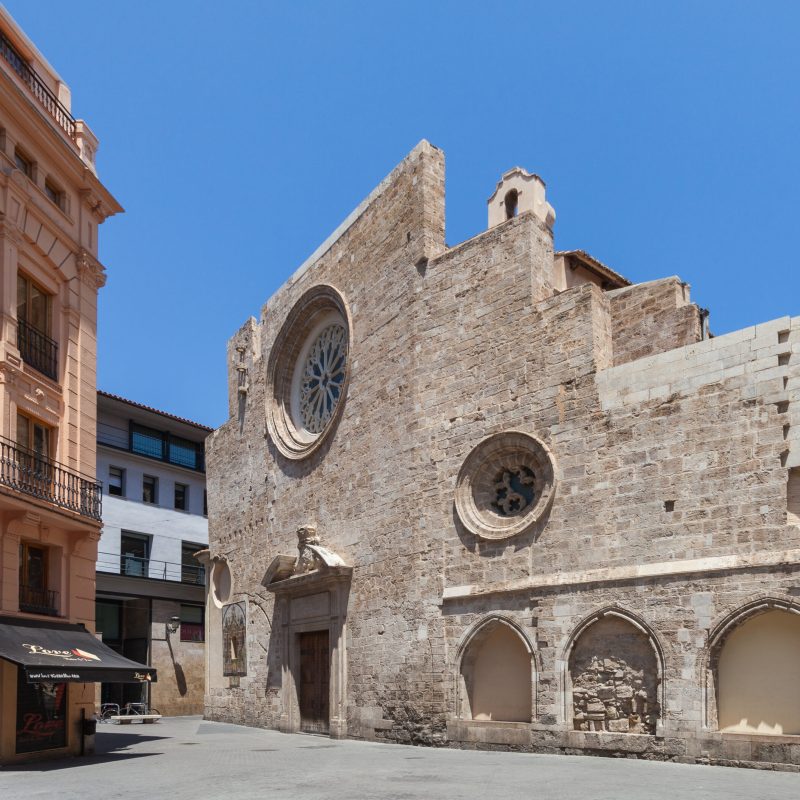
307 559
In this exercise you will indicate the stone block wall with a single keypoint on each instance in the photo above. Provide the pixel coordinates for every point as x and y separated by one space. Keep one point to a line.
670 508
653 317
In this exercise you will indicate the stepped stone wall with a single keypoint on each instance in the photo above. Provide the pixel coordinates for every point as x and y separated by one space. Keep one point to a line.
669 508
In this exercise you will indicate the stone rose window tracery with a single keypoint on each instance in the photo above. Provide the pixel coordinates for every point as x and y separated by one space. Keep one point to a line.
323 378
505 486
308 372
514 491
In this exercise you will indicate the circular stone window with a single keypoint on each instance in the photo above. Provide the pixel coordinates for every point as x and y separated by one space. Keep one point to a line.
309 370
505 486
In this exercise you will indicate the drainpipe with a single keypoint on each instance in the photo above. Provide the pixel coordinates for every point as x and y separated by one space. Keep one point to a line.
704 331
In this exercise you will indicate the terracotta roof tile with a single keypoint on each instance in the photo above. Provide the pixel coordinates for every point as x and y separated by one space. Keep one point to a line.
154 410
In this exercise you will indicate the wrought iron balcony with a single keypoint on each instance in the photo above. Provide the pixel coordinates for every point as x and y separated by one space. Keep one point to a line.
31 79
38 601
37 350
48 480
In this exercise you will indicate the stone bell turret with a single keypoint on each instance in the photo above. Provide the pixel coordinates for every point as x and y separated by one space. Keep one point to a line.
516 192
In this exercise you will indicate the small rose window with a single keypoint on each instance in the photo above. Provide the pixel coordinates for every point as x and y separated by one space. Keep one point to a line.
514 490
506 484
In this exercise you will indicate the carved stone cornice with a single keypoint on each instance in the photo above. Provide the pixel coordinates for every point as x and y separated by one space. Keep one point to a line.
90 270
95 205
8 372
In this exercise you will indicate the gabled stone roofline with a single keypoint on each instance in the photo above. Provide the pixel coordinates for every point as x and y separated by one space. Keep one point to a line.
496 230
623 289
352 217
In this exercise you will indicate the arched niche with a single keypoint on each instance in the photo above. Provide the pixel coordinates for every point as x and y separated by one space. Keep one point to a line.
221 582
496 673
613 675
752 670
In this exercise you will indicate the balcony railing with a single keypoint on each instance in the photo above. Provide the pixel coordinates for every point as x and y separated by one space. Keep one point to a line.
38 601
46 98
48 480
137 567
37 350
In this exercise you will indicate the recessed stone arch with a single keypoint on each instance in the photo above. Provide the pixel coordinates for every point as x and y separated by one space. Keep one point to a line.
751 668
613 675
496 672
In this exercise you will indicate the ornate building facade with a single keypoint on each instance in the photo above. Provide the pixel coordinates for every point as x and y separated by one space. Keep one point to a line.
51 206
495 495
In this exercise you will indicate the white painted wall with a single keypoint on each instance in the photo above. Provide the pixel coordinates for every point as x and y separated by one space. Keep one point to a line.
167 527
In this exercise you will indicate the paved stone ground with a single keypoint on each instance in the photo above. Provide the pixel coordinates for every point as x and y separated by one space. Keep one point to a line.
187 758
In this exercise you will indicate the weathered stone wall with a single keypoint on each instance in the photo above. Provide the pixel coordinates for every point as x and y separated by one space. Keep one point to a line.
670 506
653 317
366 515
614 679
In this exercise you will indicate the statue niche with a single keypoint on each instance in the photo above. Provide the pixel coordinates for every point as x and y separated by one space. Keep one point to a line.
312 557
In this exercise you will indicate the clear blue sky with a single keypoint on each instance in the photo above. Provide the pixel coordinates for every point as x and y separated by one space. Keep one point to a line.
238 135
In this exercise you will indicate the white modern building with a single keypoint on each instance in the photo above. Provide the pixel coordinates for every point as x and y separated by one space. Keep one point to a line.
150 587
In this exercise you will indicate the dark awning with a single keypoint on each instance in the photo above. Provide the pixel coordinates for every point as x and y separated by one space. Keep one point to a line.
56 652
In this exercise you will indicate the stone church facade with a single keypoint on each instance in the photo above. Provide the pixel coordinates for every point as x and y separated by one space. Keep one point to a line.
493 495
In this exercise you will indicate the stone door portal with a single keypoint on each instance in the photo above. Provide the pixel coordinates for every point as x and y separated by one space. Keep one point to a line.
315 669
311 594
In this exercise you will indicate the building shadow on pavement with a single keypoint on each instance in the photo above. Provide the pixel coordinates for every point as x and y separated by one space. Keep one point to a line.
107 749
107 744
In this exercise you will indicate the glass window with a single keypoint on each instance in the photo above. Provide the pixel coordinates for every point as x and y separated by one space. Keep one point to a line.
34 305
147 441
34 469
134 554
32 566
54 193
193 627
33 436
192 571
181 496
116 481
23 162
35 596
183 452
108 614
41 715
149 489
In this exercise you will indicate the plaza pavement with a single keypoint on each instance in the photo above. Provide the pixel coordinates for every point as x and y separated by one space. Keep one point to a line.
185 758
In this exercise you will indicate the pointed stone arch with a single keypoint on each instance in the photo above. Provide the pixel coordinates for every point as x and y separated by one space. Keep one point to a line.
495 672
723 680
625 662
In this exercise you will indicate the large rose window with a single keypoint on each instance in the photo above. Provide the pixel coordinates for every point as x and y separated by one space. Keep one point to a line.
322 378
309 370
